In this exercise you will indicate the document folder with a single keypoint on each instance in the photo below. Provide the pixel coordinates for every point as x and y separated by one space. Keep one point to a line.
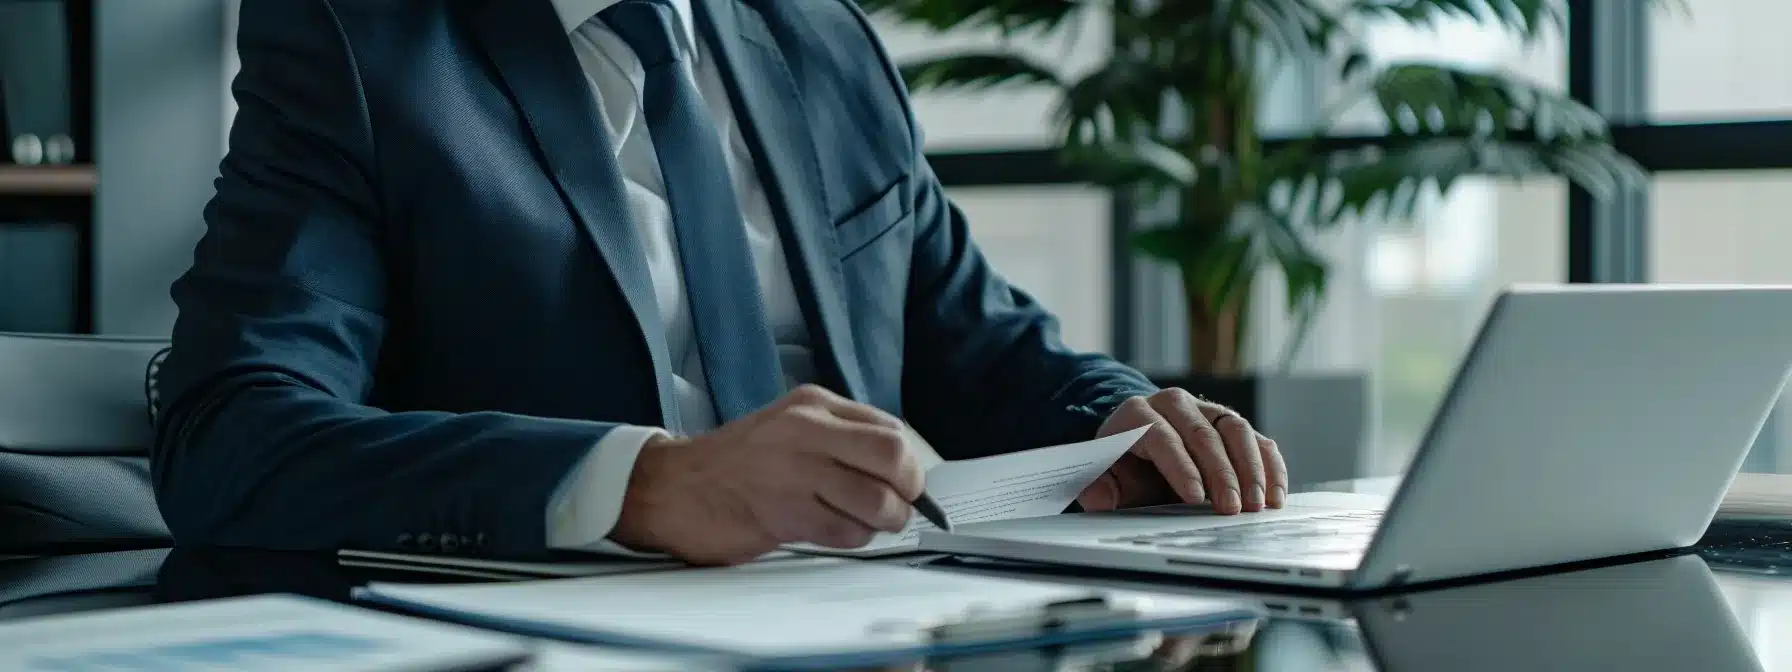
813 613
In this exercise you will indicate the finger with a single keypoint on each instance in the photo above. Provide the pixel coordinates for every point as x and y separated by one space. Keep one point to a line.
863 498
1246 456
865 413
875 450
1163 447
1141 483
830 527
1275 469
1102 495
881 453
1130 415
736 551
783 518
1204 444
818 396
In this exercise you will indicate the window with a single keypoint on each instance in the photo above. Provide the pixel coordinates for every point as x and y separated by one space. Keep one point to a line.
1430 282
1721 226
1727 227
1412 294
1465 44
1008 117
1052 242
1721 60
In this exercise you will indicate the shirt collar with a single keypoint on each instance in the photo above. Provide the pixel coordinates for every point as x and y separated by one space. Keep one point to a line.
574 13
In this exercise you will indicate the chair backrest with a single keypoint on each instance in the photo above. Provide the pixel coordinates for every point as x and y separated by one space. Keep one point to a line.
66 584
75 433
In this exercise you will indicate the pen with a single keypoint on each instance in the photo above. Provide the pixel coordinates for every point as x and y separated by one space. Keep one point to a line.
929 508
932 511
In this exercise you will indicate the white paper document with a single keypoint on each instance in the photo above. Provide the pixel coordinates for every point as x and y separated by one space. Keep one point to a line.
480 568
789 610
1758 496
558 657
254 633
1040 482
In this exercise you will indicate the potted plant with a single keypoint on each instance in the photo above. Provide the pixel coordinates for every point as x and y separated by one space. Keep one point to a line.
1172 118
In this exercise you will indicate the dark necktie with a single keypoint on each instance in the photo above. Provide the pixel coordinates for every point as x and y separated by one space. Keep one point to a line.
740 360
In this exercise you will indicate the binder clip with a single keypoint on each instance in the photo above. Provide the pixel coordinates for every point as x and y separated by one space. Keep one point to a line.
1030 638
1094 613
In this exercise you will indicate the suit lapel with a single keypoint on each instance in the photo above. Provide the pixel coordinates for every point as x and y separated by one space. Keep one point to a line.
770 107
548 85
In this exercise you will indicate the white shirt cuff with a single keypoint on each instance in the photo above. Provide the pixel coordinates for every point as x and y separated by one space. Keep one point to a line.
587 504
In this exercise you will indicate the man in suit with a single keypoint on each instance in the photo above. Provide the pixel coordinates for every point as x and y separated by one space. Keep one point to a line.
500 277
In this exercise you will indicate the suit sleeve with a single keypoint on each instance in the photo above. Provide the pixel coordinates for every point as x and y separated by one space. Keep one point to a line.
268 440
984 368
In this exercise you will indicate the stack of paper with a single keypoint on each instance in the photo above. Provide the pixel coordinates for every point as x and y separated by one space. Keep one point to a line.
1758 495
824 612
256 633
1028 484
503 570
557 657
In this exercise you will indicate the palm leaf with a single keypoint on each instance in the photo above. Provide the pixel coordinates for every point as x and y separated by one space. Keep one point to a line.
1291 26
1529 18
1305 274
1122 99
1217 264
976 72
1011 16
1389 179
1425 98
1141 163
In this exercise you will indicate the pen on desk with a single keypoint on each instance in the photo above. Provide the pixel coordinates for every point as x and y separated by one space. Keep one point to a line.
932 511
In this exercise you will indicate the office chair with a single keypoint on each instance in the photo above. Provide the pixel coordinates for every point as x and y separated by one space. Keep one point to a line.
75 432
53 586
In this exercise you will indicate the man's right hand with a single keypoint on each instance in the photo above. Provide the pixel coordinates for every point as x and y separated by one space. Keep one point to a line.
812 467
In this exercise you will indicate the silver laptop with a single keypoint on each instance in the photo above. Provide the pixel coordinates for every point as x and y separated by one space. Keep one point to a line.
1585 422
1664 614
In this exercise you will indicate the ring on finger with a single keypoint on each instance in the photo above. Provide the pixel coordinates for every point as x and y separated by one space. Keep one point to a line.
1227 415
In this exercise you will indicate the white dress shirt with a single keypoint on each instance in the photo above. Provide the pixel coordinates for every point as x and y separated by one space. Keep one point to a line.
588 502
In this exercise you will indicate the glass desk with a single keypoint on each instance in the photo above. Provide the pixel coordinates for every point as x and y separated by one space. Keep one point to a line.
1673 612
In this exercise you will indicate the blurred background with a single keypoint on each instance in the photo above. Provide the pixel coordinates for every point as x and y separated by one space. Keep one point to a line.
116 114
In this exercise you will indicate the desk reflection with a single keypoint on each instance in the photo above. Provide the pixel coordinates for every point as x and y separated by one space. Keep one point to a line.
1669 614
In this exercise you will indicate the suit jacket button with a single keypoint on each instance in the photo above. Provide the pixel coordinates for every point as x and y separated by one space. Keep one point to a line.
403 541
426 541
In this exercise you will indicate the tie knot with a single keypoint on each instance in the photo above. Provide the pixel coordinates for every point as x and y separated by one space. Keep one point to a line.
647 26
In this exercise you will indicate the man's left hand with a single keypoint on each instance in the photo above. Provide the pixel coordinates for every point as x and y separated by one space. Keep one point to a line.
1195 452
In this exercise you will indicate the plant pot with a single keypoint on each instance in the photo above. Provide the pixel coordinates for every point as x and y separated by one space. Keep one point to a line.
1321 422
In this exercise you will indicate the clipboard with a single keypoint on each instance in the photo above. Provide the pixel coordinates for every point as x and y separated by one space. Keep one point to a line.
851 614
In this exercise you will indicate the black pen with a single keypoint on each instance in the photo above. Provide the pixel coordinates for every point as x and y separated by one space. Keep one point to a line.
929 508
932 511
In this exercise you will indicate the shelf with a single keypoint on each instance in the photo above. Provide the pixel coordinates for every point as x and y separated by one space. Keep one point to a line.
47 180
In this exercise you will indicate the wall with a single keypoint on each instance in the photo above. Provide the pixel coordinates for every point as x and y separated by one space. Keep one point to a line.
156 92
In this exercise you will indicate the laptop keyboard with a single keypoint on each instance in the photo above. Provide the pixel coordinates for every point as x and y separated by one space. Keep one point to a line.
1335 533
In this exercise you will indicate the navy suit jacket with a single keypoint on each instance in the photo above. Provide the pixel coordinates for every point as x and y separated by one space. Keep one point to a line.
419 302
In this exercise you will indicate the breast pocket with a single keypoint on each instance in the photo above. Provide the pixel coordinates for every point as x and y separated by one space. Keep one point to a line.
873 222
